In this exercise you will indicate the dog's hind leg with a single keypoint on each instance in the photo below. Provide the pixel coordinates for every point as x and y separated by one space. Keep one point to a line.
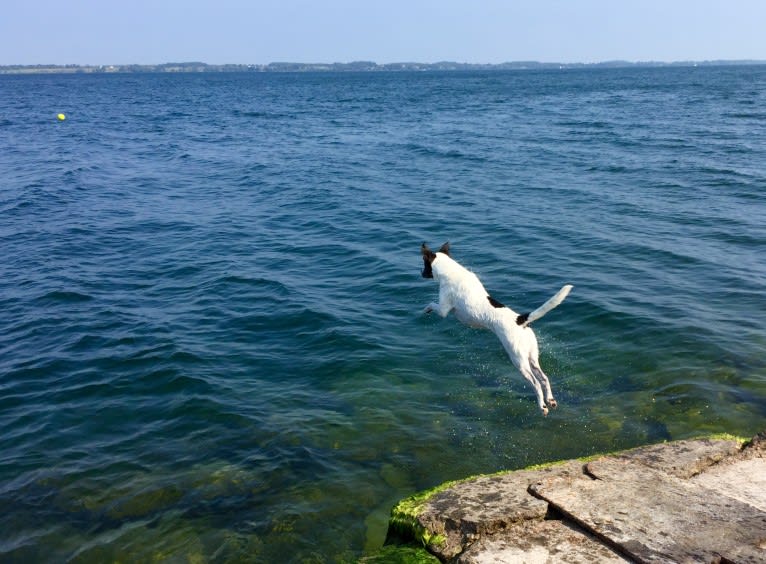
540 375
528 373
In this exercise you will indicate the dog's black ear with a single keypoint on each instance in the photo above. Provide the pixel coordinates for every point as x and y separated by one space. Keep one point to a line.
426 252
428 258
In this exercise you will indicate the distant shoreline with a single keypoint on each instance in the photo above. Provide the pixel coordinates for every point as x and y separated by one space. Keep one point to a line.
356 66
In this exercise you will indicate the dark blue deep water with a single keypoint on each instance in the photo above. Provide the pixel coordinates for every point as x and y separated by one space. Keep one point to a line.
211 340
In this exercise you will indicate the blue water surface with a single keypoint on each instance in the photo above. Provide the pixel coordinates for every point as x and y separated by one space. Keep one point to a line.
212 345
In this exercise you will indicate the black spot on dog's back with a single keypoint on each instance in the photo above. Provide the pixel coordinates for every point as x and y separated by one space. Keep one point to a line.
494 302
522 319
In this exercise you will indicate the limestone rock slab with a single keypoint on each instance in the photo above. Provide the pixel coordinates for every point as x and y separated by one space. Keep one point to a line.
461 514
742 477
655 517
682 459
541 542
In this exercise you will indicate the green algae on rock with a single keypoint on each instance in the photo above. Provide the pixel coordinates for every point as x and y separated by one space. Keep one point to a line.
452 516
400 554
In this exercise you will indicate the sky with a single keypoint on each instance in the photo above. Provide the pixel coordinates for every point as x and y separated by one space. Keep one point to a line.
102 32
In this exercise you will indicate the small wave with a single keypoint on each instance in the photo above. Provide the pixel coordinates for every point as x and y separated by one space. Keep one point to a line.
442 153
261 283
584 124
724 173
613 168
17 206
261 114
746 115
64 297
281 324
737 236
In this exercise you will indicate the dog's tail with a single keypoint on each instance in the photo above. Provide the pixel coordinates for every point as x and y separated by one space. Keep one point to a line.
527 318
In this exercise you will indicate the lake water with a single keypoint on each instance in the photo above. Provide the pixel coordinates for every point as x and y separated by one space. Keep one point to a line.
212 345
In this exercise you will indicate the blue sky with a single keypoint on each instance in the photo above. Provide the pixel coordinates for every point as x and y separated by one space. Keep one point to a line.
480 31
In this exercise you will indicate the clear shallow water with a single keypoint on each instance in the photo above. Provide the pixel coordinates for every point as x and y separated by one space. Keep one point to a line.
211 340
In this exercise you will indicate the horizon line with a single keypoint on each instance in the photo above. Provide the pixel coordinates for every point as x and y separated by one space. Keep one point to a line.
393 63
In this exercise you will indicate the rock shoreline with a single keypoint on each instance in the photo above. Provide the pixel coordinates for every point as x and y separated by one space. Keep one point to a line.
697 500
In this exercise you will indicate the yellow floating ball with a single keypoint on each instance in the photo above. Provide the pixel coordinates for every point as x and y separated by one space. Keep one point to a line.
61 117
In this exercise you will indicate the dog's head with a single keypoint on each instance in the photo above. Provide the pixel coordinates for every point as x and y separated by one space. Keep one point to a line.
429 256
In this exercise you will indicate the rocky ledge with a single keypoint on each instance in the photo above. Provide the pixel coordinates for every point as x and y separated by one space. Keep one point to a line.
700 500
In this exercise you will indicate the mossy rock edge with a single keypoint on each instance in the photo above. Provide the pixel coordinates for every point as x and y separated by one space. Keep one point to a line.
405 525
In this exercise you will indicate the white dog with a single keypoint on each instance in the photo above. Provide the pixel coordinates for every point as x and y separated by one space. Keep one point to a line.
460 290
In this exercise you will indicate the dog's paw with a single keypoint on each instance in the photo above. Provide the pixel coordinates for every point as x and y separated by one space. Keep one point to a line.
552 402
428 309
544 409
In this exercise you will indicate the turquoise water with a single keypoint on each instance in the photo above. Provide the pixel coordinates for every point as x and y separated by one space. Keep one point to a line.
211 340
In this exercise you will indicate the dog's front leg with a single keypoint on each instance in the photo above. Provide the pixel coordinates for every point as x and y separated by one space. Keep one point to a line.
438 308
444 306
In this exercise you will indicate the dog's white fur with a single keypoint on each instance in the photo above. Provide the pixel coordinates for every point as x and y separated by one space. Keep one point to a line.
461 291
